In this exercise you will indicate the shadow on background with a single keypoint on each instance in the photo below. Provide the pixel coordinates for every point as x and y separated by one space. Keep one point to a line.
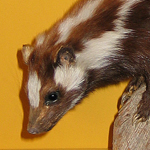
24 98
110 136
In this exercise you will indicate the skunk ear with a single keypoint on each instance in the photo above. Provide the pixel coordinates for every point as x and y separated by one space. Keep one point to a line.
65 56
26 51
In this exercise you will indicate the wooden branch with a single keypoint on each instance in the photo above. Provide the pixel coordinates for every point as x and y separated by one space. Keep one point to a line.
129 135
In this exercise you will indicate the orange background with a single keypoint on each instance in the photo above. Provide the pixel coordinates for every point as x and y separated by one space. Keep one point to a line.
86 126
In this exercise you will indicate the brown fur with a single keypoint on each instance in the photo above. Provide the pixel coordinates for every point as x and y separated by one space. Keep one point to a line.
131 60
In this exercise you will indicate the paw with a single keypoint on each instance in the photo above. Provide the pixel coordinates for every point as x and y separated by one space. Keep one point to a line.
143 109
131 88
140 117
126 95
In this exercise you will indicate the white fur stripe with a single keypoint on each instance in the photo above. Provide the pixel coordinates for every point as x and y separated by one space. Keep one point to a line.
34 86
84 14
40 39
126 7
123 13
97 51
69 77
76 100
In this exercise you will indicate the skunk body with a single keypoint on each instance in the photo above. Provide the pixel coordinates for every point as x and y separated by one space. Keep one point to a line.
97 43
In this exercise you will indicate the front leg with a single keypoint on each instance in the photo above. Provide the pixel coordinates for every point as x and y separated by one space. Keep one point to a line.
143 110
133 85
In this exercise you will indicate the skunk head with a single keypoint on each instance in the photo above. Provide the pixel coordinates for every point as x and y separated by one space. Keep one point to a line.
55 84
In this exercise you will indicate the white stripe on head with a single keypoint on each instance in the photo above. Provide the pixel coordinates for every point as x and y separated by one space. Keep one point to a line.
40 39
69 77
34 86
84 14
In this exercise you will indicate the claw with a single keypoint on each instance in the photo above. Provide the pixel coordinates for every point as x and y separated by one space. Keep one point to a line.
136 119
131 88
127 95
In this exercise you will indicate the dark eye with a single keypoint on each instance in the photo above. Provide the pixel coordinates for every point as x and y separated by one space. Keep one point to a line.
51 98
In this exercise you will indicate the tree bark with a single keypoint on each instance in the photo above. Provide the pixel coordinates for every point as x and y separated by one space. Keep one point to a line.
129 134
